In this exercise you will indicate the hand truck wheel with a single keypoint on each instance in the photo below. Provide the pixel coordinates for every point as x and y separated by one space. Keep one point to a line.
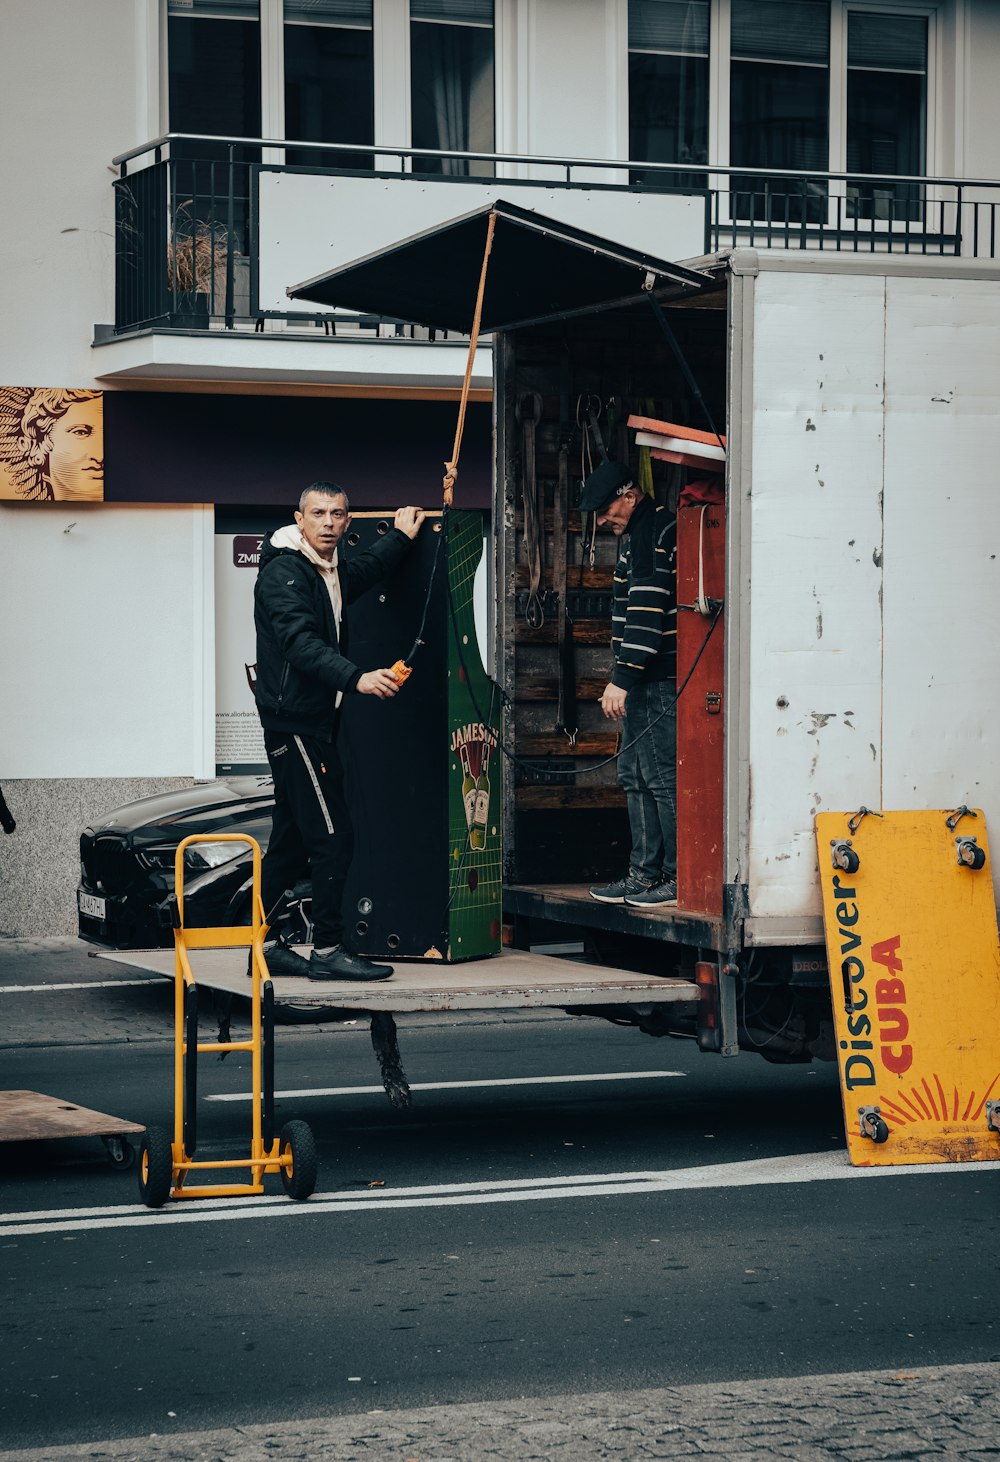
121 1153
156 1167
296 1140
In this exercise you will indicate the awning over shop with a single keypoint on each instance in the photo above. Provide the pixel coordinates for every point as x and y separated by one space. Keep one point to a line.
539 269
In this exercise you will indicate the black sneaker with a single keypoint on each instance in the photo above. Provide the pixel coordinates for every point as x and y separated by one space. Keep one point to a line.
280 960
341 964
619 891
652 898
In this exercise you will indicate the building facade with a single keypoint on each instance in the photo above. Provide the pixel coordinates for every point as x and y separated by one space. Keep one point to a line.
181 163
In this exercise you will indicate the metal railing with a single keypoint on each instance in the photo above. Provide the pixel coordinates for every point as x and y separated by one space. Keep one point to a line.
187 243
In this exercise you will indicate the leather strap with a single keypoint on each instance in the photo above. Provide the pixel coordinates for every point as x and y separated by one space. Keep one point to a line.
451 466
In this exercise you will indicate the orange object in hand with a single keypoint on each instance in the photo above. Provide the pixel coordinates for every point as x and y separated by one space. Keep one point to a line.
401 672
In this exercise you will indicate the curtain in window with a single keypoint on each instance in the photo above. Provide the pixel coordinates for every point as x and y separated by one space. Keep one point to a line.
452 86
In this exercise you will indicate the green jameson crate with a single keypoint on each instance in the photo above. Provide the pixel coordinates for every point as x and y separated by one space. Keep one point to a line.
424 770
475 763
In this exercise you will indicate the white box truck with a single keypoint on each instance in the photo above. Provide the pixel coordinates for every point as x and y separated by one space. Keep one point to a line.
855 555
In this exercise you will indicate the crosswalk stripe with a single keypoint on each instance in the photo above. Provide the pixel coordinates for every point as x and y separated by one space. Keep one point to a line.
325 1091
801 1168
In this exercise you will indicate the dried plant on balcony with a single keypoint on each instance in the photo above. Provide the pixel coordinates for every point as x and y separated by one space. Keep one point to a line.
197 254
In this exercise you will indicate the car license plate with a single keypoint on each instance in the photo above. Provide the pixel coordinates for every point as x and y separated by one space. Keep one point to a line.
93 906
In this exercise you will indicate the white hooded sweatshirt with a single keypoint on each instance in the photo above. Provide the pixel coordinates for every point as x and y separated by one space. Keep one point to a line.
291 537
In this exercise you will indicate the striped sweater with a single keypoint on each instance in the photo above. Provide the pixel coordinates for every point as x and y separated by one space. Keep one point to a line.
644 617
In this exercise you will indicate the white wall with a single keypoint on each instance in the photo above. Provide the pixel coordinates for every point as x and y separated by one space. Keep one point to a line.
74 96
572 70
979 104
309 225
106 614
106 656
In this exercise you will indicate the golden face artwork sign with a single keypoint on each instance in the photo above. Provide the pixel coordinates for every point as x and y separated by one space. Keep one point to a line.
51 444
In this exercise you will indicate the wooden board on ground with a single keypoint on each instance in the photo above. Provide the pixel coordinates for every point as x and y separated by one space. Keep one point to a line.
911 935
31 1116
512 980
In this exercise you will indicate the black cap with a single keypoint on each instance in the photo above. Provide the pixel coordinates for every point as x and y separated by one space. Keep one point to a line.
603 484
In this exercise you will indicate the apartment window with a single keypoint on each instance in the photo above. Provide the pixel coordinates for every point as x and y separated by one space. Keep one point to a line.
452 82
214 67
213 51
779 105
668 81
886 111
329 79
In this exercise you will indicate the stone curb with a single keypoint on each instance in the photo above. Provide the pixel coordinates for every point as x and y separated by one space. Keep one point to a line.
950 1412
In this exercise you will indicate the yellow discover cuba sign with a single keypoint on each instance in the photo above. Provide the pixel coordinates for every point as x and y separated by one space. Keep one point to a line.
911 938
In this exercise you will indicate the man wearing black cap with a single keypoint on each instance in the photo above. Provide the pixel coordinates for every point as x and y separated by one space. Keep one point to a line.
640 693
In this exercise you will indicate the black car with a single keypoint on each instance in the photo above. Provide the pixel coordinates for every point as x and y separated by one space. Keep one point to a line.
127 862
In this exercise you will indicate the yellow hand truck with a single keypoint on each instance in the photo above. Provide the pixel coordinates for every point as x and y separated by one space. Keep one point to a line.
165 1165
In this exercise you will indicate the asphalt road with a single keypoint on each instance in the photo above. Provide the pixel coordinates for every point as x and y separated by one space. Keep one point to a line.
533 1239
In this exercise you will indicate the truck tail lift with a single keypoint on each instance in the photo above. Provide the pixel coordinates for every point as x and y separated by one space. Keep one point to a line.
165 1166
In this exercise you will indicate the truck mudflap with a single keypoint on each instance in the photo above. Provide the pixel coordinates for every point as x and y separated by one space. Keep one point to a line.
911 932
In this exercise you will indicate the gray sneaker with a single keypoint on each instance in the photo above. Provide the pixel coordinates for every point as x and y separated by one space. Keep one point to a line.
652 898
620 891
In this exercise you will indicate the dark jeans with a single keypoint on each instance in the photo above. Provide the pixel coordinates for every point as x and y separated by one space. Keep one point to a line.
648 772
311 829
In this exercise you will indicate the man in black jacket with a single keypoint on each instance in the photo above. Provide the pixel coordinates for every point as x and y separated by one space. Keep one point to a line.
303 674
641 692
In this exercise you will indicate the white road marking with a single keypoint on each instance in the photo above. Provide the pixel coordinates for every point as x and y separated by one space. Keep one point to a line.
78 985
806 1168
323 1091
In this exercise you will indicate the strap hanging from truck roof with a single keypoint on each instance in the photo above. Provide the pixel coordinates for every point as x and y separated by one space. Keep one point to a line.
674 343
451 466
528 413
566 712
586 419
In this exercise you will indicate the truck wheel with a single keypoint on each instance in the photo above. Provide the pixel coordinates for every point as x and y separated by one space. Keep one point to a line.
156 1167
299 1178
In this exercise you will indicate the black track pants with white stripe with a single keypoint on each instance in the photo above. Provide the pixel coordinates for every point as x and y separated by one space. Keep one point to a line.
311 833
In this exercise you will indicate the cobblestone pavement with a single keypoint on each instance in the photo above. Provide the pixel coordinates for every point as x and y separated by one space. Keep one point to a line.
946 1412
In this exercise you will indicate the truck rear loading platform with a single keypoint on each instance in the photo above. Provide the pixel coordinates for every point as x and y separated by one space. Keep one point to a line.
511 980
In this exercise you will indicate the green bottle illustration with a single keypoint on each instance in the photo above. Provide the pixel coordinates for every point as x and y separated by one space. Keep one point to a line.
481 812
468 786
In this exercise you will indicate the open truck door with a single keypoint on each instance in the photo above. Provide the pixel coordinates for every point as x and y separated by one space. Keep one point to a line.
539 271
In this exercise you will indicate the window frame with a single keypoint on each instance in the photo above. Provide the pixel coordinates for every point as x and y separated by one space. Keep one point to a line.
391 64
843 9
936 12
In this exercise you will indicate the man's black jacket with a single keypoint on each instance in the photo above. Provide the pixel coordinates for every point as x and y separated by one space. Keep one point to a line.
301 663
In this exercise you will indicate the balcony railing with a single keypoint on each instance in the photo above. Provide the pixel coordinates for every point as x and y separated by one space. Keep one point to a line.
187 222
